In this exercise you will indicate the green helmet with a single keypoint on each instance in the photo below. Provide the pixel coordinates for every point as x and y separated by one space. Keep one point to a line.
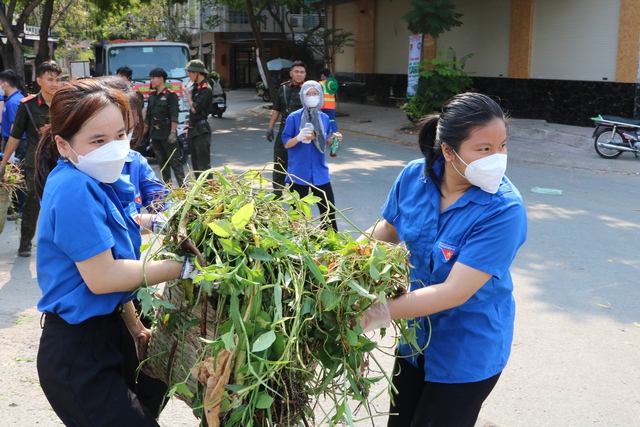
197 66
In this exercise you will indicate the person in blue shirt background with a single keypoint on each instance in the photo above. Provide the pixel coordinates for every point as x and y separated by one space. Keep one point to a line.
306 148
88 264
151 193
13 90
463 222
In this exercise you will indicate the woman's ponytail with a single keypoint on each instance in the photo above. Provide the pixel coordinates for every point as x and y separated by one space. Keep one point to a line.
46 158
429 146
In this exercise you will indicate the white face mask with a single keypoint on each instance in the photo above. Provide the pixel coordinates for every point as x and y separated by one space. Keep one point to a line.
2 90
105 163
129 136
312 101
486 172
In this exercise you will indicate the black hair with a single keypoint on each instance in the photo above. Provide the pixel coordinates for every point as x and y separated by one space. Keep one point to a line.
325 72
125 71
9 76
48 67
460 116
158 72
298 64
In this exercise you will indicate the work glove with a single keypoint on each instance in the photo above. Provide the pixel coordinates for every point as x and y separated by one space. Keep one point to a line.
375 317
159 223
305 135
270 135
189 268
173 138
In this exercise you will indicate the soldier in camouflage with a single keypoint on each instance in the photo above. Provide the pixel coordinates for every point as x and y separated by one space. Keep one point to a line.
200 101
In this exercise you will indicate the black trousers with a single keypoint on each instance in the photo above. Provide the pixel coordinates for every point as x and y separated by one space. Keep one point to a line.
281 163
420 403
325 192
88 374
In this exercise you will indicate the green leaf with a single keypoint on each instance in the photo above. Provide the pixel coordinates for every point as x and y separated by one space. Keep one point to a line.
359 289
241 218
329 300
373 271
259 254
232 247
352 337
229 340
221 228
310 199
263 342
264 400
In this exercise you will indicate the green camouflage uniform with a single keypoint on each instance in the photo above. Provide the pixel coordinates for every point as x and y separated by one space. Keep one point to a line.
199 129
31 125
163 109
287 101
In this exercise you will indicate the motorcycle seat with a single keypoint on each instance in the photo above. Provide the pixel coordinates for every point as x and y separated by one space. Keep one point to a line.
617 119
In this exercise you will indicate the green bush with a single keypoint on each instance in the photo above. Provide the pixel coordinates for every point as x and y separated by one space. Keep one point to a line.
441 78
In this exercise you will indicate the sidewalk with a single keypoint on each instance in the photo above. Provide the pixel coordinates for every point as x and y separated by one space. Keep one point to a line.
531 141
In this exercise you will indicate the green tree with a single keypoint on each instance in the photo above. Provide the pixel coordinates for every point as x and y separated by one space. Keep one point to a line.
12 50
432 17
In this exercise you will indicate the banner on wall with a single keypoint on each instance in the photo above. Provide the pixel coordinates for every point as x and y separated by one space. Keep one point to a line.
262 76
415 56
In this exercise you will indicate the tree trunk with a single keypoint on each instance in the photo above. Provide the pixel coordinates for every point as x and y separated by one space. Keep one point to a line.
45 23
255 29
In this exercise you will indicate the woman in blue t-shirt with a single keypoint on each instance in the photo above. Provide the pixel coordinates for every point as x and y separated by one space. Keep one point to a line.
306 134
463 222
87 264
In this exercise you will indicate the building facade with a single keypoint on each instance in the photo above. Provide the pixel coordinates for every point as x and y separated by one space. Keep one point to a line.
559 60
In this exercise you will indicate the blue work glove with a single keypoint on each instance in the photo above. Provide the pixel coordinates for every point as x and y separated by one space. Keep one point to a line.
270 136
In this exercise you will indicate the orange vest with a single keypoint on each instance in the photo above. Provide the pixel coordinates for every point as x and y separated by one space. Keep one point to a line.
329 100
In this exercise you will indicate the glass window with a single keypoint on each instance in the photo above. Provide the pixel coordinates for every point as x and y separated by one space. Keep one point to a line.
142 59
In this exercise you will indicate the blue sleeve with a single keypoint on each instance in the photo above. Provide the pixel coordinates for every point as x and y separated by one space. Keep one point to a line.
152 191
291 127
80 221
12 109
494 241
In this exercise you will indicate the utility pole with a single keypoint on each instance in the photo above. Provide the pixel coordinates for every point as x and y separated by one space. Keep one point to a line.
200 55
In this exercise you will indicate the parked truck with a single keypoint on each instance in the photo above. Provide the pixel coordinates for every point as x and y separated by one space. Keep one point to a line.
143 56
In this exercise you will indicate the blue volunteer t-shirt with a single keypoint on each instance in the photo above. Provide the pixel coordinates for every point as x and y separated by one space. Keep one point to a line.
80 218
306 163
471 342
149 191
9 111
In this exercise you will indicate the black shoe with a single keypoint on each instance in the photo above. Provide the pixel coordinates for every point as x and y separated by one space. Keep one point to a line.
25 252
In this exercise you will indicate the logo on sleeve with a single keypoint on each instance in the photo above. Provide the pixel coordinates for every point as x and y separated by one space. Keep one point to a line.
447 250
138 199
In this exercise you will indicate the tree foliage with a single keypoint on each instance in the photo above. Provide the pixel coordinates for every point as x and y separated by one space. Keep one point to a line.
432 17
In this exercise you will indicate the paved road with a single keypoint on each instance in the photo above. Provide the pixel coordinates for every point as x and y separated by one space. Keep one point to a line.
577 342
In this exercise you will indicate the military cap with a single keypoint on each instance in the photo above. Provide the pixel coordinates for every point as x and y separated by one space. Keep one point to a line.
197 66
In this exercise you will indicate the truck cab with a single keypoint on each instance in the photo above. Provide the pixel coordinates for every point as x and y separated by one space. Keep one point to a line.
142 57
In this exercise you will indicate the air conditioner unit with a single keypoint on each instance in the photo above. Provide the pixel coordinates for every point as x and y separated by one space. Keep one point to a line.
295 20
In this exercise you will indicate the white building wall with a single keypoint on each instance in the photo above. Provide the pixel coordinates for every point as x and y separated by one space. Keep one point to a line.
392 37
484 33
345 20
575 39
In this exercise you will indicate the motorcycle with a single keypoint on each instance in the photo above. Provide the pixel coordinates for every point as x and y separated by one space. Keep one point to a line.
219 105
263 91
615 135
